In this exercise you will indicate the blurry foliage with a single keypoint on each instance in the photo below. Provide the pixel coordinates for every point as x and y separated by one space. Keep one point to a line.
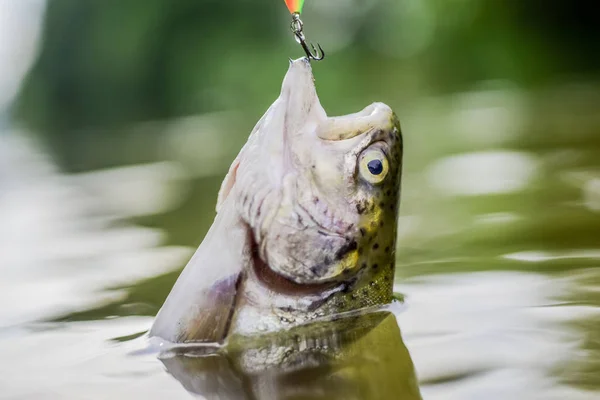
104 65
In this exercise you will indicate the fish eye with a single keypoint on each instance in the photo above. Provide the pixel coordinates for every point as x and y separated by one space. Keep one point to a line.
373 166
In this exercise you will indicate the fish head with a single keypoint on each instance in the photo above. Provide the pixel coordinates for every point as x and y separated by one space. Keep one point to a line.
320 194
306 221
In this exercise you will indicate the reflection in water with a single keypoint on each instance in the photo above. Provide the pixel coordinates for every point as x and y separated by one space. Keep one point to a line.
351 357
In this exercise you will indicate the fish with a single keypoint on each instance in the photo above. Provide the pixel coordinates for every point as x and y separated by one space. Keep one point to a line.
305 226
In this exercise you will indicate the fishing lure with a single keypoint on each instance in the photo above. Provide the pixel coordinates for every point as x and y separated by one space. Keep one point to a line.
295 7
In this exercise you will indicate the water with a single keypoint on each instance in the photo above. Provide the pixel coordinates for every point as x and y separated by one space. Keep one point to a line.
498 264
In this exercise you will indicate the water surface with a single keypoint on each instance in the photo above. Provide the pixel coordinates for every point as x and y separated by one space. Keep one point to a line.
498 262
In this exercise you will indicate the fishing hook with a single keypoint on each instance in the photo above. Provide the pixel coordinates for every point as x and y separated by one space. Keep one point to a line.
297 26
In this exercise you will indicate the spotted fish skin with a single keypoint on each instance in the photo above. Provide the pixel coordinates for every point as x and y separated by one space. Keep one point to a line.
306 222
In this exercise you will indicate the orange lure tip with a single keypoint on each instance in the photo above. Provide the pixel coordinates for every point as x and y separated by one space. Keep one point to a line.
295 6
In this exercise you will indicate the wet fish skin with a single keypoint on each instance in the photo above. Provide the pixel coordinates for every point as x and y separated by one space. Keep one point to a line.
306 222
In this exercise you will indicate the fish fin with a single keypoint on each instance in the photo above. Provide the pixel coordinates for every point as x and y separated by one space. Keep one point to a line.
211 322
202 301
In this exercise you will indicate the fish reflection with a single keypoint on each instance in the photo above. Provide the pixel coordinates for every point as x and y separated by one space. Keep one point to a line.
352 357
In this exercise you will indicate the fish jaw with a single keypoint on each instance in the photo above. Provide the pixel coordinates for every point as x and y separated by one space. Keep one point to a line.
303 108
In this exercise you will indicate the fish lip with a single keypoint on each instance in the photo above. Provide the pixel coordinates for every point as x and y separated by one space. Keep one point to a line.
299 83
340 128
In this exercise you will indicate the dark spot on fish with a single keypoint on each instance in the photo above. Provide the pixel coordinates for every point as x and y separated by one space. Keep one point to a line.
363 231
315 200
320 269
314 166
381 204
389 192
360 208
387 249
375 266
364 265
345 249
381 223
245 199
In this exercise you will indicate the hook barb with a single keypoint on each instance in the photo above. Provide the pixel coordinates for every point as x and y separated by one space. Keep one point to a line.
315 54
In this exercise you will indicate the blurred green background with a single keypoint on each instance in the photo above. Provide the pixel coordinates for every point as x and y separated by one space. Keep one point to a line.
106 65
499 102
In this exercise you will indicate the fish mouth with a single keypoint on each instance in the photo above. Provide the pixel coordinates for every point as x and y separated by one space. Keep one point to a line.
300 94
